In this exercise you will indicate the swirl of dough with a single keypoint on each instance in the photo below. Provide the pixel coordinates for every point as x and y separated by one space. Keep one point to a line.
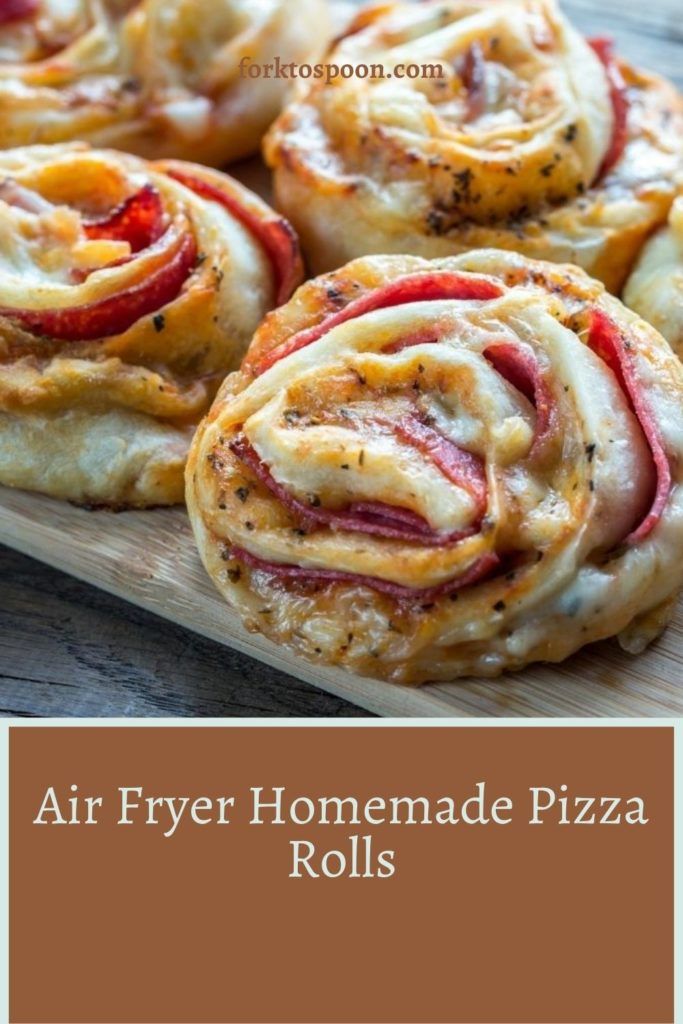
159 78
517 134
127 290
655 288
429 469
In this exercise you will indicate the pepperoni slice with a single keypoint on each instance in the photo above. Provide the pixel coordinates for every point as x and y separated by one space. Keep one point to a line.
423 336
274 235
607 341
620 104
461 467
520 368
139 220
404 290
481 568
117 313
473 76
375 517
17 10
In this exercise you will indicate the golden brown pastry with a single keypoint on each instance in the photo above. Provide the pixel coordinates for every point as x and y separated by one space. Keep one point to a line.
127 290
430 469
160 78
517 134
655 288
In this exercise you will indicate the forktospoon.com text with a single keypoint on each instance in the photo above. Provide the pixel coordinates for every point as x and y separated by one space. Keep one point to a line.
329 72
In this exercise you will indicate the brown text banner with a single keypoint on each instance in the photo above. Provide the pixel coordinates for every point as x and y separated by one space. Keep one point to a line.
345 875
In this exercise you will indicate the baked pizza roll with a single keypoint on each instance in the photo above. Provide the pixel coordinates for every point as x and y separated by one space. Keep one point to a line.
160 78
655 288
127 290
430 469
517 133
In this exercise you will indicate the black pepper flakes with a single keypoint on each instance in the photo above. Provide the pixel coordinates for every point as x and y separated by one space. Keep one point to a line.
436 222
464 179
242 493
159 321
335 295
499 606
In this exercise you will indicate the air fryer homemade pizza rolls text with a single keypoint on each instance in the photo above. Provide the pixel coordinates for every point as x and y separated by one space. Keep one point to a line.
431 469
655 288
518 133
127 290
160 78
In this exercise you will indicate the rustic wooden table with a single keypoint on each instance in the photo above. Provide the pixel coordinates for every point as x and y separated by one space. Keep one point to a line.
68 649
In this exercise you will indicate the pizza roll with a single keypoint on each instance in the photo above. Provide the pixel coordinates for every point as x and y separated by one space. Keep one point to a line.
159 78
127 290
655 288
430 469
517 133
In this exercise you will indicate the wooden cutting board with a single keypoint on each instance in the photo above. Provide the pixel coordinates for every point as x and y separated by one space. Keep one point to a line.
149 558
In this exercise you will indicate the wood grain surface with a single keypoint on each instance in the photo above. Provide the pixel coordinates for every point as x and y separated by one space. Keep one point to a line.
69 649
149 558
